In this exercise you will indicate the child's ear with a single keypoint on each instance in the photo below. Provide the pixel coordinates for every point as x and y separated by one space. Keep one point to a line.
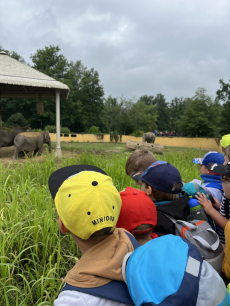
149 191
62 227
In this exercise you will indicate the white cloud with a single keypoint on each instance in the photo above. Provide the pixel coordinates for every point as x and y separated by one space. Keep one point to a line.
138 47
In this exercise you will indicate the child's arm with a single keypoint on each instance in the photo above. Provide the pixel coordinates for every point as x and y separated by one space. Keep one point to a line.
216 205
211 211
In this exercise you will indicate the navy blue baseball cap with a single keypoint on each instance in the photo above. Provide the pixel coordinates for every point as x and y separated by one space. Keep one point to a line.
161 176
210 157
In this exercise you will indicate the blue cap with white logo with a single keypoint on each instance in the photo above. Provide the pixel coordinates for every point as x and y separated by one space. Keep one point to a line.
210 157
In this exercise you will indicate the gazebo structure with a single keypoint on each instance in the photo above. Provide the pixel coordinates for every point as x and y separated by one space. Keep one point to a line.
20 81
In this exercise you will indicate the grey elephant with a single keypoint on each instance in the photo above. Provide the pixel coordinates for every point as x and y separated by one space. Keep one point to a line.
31 142
149 137
7 135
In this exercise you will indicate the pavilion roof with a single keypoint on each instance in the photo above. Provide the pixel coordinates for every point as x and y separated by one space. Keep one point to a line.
18 80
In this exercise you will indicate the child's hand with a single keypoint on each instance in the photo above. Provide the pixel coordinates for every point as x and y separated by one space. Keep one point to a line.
204 202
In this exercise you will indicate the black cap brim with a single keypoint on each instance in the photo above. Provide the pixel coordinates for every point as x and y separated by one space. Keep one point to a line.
137 175
217 169
58 177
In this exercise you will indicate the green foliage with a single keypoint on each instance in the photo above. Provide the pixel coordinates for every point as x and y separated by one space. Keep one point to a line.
52 129
13 54
64 130
17 120
125 116
176 109
34 254
50 62
148 100
161 112
84 106
137 133
94 130
223 94
144 116
201 117
36 130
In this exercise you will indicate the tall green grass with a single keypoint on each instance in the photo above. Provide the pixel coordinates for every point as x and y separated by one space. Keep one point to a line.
33 253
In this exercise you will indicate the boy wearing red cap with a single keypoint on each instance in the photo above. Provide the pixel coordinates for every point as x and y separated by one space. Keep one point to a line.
138 215
88 206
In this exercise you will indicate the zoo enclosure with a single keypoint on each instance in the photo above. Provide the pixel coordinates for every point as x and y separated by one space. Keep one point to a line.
200 143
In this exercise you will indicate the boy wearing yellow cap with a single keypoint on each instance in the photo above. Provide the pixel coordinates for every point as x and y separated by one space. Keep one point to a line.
225 141
88 205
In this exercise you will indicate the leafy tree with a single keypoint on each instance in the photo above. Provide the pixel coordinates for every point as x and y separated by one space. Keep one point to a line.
223 94
111 114
144 116
163 120
51 62
13 54
17 120
201 117
148 100
176 109
126 121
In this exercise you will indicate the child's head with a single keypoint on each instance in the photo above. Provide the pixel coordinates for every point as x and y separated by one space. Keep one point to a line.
210 157
161 181
139 161
227 155
224 171
138 214
225 141
87 202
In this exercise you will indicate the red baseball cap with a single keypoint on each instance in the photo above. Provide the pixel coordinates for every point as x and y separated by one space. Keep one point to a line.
136 209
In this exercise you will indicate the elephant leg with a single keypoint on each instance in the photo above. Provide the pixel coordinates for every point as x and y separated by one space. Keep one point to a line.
16 152
39 150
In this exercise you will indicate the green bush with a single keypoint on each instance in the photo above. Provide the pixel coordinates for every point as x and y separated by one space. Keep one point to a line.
65 130
137 133
94 130
36 130
52 129
17 120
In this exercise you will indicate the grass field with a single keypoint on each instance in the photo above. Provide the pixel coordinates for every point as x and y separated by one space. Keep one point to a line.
33 253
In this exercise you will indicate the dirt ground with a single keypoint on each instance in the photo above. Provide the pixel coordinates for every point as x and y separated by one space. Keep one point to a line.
6 155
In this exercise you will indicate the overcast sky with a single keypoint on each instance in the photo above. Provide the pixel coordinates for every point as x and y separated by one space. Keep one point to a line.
138 47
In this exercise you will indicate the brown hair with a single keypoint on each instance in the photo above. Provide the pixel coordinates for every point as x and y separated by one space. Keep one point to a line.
227 152
158 195
103 232
140 160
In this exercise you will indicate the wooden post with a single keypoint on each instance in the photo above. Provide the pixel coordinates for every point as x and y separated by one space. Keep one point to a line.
58 144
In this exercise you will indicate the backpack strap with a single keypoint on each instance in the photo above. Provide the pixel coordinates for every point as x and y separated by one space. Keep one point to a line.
197 187
215 185
115 290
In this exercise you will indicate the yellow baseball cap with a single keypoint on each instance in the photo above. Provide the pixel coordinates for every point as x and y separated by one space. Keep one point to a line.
87 201
225 141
